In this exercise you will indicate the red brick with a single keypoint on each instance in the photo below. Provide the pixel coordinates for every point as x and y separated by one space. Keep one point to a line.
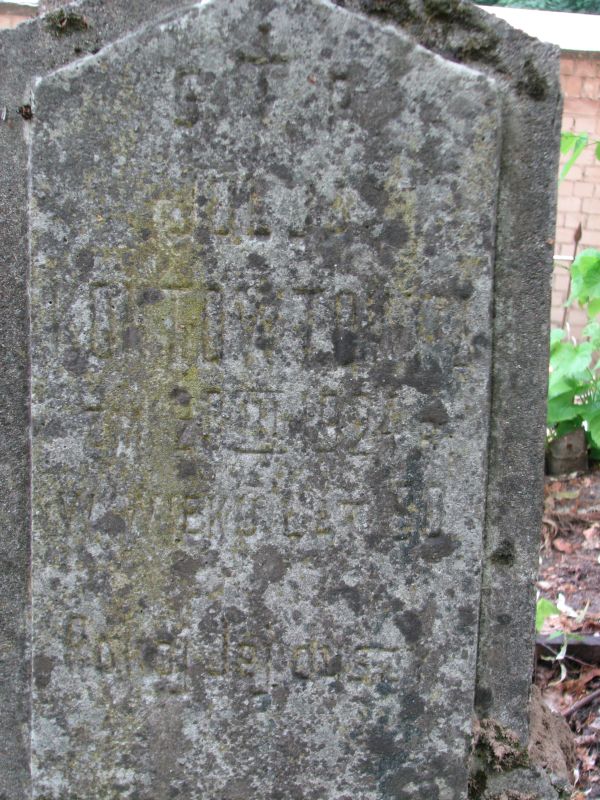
561 265
564 236
593 222
584 66
566 65
577 316
575 174
560 280
591 205
587 155
572 220
580 189
575 107
591 174
569 204
585 124
572 85
589 239
566 188
590 88
576 331
11 20
563 248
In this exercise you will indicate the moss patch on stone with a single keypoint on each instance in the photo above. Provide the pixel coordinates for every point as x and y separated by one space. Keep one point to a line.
64 23
497 748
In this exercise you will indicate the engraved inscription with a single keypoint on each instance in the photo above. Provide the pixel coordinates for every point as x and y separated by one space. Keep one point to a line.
189 325
107 304
176 659
213 321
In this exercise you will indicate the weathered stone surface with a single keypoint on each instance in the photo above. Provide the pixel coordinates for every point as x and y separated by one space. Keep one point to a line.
526 74
31 49
260 374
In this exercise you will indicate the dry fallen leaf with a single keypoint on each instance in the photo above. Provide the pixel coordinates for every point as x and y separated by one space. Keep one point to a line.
592 538
563 545
567 495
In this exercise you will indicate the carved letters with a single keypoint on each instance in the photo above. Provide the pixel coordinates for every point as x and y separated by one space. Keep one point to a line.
181 659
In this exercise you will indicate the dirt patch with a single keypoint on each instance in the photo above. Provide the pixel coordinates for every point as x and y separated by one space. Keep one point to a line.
570 577
551 744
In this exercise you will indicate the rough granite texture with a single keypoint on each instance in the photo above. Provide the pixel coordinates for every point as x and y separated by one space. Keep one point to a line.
32 49
527 75
261 346
146 412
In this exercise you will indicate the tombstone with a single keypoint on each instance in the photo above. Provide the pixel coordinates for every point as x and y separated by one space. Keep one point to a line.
265 241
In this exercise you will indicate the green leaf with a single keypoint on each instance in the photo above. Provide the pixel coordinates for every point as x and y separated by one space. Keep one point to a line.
563 651
567 426
567 140
593 308
591 282
590 408
556 336
571 360
585 276
577 147
597 151
544 609
593 428
592 331
563 675
561 408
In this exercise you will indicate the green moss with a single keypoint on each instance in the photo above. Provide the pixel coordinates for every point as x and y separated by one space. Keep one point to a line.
448 9
183 123
64 23
477 785
158 267
532 82
480 47
496 748
398 10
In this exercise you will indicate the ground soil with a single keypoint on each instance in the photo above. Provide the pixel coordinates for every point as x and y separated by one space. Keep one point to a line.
570 578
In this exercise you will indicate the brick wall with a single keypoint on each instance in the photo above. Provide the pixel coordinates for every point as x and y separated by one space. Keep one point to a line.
579 193
11 14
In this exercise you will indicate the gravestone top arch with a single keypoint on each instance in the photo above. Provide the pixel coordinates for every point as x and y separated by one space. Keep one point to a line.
261 349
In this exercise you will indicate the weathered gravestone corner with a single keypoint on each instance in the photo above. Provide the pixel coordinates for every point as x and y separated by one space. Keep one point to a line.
286 311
